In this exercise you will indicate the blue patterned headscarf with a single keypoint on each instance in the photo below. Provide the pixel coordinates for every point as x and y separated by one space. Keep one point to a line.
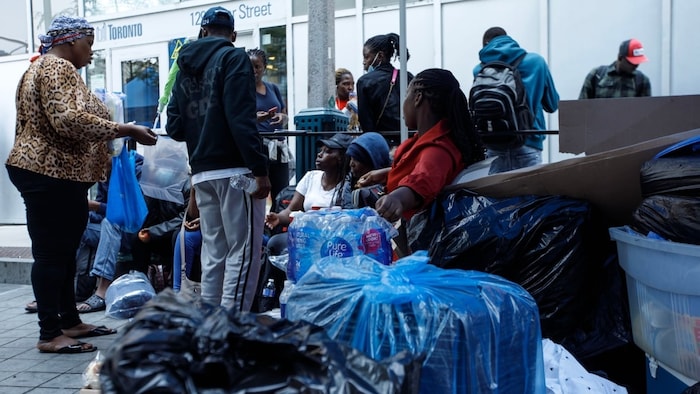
64 29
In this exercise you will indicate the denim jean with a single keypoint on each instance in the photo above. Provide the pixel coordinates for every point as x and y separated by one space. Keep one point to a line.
112 241
193 247
57 213
512 159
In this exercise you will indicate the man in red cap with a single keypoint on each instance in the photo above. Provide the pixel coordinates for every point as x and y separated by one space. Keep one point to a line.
621 78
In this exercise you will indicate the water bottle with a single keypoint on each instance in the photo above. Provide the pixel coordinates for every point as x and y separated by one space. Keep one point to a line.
303 243
267 303
245 182
284 297
375 242
342 237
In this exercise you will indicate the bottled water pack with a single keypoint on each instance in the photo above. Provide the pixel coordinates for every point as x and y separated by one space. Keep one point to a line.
338 233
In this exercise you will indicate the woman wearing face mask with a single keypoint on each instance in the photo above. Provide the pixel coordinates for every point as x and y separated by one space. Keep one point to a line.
272 115
378 96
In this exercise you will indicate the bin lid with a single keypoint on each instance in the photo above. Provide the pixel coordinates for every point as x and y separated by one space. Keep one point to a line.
691 146
320 111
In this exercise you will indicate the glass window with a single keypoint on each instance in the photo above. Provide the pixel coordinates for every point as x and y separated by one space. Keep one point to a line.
140 84
301 7
44 11
379 3
96 75
274 43
13 31
106 7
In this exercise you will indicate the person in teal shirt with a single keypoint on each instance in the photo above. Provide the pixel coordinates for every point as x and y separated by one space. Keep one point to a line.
541 96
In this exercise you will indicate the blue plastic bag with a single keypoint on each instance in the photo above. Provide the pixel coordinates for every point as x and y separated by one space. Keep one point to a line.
126 205
479 333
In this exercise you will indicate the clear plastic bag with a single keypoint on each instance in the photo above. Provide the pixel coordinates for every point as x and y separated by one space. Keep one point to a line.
165 170
91 375
127 294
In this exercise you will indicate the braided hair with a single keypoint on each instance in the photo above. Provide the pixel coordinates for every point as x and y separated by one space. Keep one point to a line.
387 43
447 101
259 53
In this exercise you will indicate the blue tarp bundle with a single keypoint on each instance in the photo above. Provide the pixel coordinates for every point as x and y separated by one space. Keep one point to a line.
477 331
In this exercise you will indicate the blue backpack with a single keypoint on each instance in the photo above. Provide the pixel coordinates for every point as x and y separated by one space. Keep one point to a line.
498 105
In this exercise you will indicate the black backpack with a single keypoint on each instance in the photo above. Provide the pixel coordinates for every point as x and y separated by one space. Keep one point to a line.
498 105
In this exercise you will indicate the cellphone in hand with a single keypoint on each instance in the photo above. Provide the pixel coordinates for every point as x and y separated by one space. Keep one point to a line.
272 110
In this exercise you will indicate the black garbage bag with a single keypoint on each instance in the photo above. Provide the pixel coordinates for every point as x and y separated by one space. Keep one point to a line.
177 344
154 351
674 218
550 245
671 175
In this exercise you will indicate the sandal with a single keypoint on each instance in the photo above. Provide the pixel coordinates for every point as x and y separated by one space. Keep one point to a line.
87 331
94 303
78 347
31 307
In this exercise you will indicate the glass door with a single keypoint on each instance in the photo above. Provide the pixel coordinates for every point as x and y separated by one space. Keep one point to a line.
140 73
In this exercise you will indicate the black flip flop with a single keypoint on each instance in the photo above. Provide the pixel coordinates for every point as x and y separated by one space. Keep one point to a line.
96 332
71 349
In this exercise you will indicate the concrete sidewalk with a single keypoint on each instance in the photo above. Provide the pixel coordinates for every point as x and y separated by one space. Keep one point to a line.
22 368
15 254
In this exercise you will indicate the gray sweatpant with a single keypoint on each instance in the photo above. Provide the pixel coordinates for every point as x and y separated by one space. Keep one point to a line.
232 224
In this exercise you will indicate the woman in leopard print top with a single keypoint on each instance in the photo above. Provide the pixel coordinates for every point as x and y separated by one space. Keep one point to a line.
60 150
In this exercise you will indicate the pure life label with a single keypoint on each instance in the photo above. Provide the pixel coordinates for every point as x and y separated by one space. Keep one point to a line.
337 247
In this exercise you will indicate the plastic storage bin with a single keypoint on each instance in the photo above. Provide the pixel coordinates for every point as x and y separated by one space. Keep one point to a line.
315 120
663 380
663 285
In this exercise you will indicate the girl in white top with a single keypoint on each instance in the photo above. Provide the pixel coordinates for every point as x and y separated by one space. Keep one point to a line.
319 188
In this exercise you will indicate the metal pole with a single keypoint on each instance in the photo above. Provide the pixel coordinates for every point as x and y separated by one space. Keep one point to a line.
321 57
403 73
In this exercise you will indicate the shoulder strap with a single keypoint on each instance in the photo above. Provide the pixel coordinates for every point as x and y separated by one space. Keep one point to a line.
391 86
518 60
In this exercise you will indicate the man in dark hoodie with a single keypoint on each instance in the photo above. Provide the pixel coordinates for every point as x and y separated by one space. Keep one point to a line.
541 96
212 108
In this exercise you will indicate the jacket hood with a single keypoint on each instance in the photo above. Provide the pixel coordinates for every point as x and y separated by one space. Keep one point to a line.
501 48
376 146
195 56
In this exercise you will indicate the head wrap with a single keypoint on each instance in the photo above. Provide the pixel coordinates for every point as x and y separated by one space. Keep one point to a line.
64 29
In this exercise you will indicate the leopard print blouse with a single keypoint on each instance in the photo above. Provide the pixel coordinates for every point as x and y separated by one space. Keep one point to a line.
62 128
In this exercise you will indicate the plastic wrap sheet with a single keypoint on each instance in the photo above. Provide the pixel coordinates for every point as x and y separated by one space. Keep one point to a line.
479 332
177 344
553 246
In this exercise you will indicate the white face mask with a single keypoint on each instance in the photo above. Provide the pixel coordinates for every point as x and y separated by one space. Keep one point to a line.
371 66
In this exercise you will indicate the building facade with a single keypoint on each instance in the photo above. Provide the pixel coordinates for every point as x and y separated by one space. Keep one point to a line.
136 41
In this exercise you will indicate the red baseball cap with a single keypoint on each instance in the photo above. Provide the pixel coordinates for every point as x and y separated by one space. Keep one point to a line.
633 51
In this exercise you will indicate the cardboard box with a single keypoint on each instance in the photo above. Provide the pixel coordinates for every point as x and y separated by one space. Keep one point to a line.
594 126
609 180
